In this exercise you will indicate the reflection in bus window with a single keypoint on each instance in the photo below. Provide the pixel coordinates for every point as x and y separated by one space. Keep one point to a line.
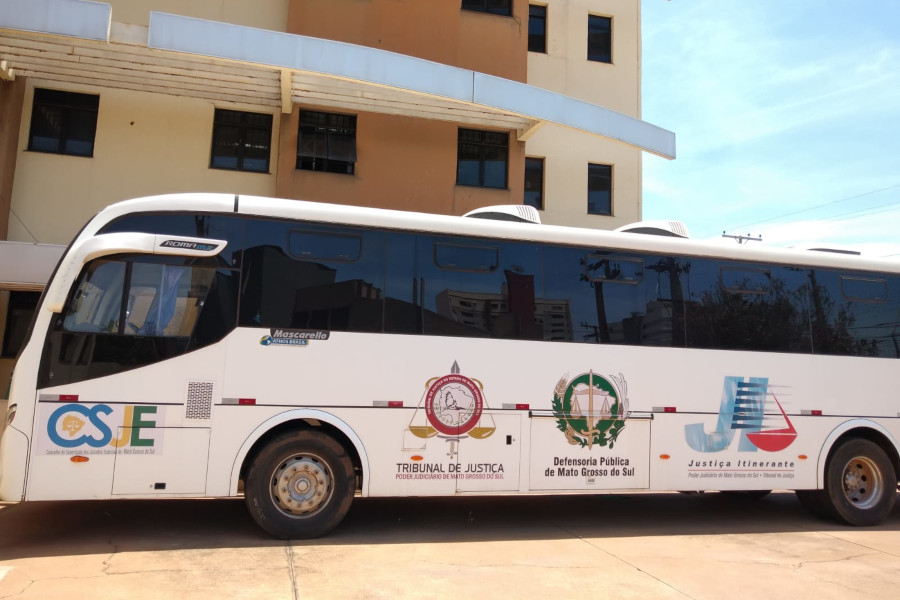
615 299
466 257
319 278
164 300
96 304
863 289
309 245
480 290
746 281
738 307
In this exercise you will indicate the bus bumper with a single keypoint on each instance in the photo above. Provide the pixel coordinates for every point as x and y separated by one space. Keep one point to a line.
13 458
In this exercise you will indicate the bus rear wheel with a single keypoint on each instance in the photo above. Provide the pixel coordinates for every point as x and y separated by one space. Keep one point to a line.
300 485
860 483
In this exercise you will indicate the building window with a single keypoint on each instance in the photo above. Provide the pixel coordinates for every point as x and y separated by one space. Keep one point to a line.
494 7
63 122
534 182
241 141
19 310
327 142
599 39
599 189
481 158
537 28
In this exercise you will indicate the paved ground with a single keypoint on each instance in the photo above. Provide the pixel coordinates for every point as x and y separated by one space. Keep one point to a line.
580 547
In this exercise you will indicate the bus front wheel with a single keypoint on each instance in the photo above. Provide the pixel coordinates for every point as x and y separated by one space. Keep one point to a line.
300 485
860 483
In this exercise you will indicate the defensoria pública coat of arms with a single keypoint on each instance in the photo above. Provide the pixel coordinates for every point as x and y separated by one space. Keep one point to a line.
591 409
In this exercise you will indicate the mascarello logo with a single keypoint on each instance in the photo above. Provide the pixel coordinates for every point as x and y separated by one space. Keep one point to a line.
743 412
292 337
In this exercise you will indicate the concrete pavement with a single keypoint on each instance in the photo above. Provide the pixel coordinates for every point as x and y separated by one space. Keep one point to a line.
612 546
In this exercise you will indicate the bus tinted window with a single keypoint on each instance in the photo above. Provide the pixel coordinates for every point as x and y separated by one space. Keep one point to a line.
168 309
97 303
606 267
737 307
832 316
743 280
475 289
354 279
403 311
321 278
852 315
861 289
309 245
615 299
165 300
466 257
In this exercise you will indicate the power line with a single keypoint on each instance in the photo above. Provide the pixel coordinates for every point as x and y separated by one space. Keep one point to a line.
866 211
818 206
24 226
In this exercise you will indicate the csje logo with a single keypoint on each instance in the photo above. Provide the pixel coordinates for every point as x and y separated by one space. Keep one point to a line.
75 425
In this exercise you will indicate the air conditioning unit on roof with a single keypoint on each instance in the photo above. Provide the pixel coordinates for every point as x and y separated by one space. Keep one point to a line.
507 212
664 228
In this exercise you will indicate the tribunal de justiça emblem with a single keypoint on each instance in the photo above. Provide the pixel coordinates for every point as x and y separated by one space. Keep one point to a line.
452 408
591 409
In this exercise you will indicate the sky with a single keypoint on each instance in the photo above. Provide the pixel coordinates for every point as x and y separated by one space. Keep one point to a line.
786 116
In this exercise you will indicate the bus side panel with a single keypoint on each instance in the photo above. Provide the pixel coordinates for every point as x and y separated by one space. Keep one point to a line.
381 385
693 452
752 421
146 426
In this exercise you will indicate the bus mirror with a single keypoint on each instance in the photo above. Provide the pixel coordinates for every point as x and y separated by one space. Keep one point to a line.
88 249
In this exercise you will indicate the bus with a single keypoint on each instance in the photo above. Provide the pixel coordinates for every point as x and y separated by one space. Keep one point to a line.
303 354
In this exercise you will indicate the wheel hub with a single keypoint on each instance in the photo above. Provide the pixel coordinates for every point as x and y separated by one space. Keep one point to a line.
862 482
301 485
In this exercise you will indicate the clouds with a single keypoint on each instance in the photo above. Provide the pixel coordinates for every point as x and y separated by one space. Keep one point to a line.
776 107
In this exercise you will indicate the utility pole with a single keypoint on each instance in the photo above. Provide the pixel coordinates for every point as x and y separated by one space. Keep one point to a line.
743 238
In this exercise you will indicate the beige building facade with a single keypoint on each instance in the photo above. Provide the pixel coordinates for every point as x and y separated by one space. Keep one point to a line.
438 107
154 130
564 68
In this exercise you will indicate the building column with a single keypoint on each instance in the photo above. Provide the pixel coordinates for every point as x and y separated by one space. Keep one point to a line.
12 98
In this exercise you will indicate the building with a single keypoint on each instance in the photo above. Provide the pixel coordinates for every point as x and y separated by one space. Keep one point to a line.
441 106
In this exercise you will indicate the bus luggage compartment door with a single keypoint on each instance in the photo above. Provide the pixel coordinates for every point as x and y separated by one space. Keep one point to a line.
582 453
488 457
175 463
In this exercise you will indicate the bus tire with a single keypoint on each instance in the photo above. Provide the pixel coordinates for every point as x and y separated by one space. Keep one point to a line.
860 483
300 485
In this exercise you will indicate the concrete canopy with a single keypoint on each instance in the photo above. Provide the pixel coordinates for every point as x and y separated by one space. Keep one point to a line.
75 41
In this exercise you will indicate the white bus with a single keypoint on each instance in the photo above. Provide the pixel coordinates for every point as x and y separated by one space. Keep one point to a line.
302 354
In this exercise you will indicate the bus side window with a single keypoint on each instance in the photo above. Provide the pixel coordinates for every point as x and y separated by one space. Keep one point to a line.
137 310
96 304
312 277
165 300
479 288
